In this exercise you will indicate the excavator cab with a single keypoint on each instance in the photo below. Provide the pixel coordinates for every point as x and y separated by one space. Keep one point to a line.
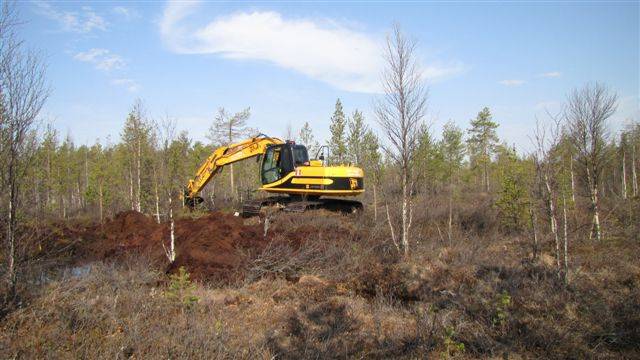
282 159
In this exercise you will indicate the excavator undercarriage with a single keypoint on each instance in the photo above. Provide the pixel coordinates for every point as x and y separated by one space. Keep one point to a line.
299 204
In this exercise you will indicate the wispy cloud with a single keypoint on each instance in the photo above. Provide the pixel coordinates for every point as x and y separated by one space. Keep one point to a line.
551 74
83 21
102 59
125 12
130 84
321 49
512 82
550 105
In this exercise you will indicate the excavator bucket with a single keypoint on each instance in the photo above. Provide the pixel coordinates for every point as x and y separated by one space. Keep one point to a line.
191 202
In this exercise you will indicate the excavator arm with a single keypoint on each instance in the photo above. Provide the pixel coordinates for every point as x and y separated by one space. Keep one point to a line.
222 156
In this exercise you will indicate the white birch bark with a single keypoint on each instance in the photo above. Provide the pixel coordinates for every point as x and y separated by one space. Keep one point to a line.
566 240
624 175
138 207
633 171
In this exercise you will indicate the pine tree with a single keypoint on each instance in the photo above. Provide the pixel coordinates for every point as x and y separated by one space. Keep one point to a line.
357 130
371 164
482 142
512 202
427 160
308 140
452 150
337 144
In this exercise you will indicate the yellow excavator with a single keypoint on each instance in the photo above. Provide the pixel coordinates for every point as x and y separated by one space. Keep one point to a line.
286 170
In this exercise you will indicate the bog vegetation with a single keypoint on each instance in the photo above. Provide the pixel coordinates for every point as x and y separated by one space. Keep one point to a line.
466 248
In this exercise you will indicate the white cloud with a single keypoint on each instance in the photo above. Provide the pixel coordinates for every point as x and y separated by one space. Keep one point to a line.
102 59
512 82
83 21
129 84
126 13
551 74
320 49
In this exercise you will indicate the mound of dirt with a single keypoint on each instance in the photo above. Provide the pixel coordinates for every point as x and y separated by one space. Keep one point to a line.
210 247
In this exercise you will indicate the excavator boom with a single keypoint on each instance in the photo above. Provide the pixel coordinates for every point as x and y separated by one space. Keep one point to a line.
222 156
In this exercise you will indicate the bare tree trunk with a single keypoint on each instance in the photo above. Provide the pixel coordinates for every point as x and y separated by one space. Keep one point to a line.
405 213
155 181
138 207
552 219
133 207
233 191
566 240
86 174
450 225
624 175
375 204
486 175
573 182
534 227
100 199
37 197
11 227
596 214
49 185
593 194
393 234
633 171
80 197
171 253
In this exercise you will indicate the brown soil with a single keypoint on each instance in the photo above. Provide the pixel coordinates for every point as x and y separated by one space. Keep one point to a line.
210 247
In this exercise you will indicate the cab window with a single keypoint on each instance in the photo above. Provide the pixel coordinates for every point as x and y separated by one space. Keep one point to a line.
270 170
300 155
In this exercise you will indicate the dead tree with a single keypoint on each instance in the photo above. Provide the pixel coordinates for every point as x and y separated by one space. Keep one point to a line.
23 91
400 113
586 114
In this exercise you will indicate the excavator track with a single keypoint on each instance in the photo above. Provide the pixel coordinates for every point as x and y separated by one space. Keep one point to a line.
296 205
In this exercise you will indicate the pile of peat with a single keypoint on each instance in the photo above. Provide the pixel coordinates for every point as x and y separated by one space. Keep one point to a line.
209 247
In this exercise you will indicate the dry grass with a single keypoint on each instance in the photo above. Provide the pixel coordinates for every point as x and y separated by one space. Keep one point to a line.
332 286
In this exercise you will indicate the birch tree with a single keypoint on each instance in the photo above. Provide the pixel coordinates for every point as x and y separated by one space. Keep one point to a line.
545 140
23 92
588 110
623 151
400 113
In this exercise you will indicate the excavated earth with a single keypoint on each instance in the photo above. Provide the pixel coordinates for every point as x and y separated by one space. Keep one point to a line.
212 247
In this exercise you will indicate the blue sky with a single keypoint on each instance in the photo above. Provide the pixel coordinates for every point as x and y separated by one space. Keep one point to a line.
290 61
